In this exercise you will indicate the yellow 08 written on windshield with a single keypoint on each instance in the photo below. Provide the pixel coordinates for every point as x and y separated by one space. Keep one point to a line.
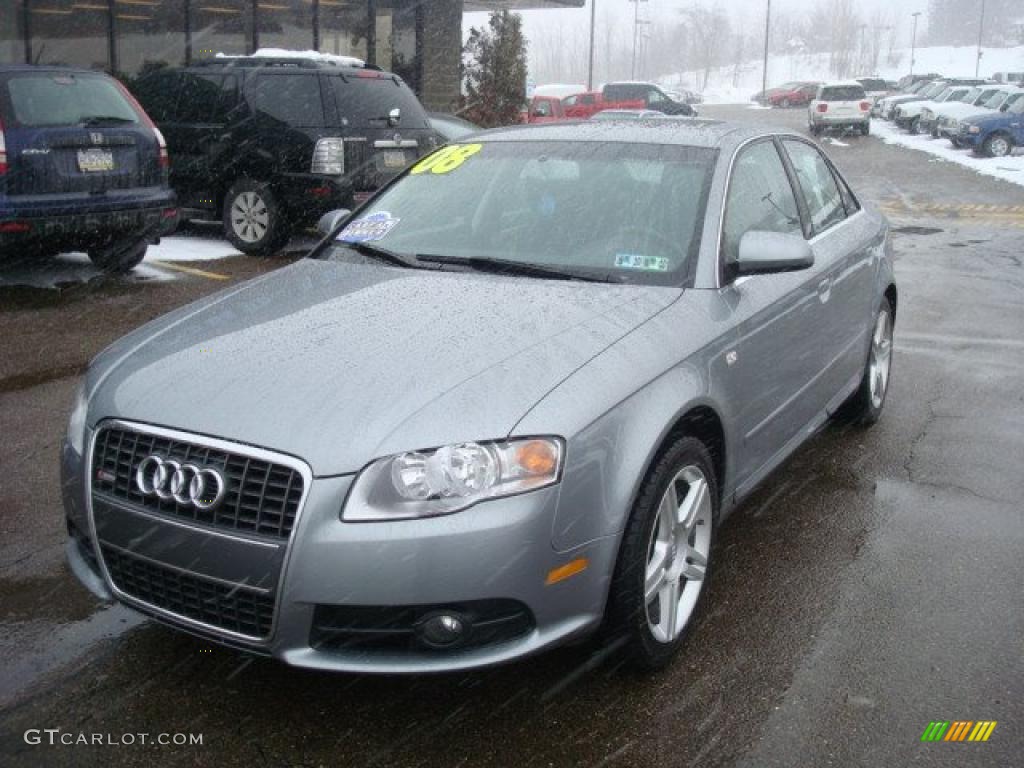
447 159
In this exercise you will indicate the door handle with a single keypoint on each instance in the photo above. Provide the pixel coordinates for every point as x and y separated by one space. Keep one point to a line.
824 289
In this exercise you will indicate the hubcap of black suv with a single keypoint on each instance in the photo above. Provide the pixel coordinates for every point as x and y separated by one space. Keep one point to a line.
249 217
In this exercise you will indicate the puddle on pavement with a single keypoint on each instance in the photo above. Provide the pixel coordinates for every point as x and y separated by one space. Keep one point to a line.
913 230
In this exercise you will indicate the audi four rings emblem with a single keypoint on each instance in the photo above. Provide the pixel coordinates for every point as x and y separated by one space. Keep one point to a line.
188 484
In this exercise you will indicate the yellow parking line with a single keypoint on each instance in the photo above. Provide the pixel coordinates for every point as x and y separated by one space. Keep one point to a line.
191 270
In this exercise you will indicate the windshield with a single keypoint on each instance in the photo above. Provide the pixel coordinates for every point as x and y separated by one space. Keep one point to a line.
1017 107
971 95
615 211
59 98
995 101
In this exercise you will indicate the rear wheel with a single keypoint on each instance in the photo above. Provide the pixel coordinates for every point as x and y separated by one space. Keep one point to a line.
865 129
253 219
119 256
997 145
814 129
662 572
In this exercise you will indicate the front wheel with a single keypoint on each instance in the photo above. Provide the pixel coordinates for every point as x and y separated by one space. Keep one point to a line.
914 127
662 572
865 407
120 256
785 104
997 145
253 219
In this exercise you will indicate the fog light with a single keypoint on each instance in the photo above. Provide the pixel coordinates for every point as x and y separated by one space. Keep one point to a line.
443 630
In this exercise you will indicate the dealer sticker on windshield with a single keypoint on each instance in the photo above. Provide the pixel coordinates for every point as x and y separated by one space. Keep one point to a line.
639 261
446 159
369 228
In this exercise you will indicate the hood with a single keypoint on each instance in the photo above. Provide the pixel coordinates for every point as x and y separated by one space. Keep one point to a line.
993 117
340 363
960 110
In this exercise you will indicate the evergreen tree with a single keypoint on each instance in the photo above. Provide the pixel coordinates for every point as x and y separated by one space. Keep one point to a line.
495 71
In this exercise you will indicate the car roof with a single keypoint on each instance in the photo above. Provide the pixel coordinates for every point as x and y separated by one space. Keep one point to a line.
691 132
842 84
50 68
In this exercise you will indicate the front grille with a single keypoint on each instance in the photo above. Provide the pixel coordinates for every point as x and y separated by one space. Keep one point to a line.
261 498
231 607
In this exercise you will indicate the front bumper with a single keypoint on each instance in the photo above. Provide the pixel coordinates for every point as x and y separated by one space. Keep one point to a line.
496 552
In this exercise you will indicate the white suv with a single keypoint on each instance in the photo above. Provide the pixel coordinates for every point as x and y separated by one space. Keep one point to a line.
839 105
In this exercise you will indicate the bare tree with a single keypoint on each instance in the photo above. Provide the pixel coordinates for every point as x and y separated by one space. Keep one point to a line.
709 31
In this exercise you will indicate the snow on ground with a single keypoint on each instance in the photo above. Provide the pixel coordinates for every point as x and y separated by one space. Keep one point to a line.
190 248
835 142
1007 168
729 85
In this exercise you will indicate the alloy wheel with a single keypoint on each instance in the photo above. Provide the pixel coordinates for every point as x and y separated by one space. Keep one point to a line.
998 146
881 357
677 555
249 217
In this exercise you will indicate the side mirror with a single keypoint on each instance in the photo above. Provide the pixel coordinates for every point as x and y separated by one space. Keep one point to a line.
763 253
394 117
330 220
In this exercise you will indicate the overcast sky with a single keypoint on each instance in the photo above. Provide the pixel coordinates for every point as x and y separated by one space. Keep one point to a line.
751 11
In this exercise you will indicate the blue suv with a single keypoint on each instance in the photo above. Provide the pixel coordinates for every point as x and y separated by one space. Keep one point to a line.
996 134
82 167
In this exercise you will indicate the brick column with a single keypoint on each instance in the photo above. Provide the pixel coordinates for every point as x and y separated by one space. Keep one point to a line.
441 45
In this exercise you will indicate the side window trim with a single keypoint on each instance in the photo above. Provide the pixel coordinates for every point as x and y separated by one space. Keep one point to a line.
806 226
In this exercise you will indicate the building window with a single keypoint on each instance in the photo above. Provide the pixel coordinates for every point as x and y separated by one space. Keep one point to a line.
286 24
149 34
12 38
221 26
74 33
343 27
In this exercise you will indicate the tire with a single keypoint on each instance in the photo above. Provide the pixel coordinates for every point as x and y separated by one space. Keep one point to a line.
814 129
864 408
120 256
997 145
914 126
640 588
865 129
253 219
785 104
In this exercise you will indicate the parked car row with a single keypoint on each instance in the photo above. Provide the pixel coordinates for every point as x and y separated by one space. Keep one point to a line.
799 93
982 115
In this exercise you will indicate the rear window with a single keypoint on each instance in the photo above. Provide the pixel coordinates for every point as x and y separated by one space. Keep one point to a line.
842 93
44 99
872 84
365 102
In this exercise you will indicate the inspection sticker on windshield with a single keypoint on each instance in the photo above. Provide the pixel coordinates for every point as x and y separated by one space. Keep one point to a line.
369 228
446 159
639 261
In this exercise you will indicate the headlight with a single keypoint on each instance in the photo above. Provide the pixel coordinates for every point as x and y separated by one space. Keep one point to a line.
451 478
974 129
76 424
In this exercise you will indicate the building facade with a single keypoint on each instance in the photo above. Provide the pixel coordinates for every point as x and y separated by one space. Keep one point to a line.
420 40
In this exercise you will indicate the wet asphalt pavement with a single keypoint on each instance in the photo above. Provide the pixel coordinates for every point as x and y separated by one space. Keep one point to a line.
873 584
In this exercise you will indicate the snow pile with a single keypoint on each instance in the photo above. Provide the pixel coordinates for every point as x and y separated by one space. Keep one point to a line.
732 85
283 53
1007 168
185 248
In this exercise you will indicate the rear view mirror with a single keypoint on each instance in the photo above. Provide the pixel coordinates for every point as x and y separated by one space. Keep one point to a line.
763 253
330 220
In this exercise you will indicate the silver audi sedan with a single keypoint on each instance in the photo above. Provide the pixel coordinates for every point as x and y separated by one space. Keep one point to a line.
502 406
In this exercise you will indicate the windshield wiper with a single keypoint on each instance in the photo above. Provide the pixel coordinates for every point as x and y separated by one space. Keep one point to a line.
101 119
383 254
507 267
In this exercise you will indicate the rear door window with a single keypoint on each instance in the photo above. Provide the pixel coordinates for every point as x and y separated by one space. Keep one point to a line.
842 93
366 102
292 99
206 98
158 94
61 99
817 185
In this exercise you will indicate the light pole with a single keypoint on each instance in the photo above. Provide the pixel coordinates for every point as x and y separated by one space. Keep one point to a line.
764 69
981 29
913 41
636 34
590 66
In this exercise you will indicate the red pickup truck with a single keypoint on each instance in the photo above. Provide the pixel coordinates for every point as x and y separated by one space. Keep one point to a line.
547 109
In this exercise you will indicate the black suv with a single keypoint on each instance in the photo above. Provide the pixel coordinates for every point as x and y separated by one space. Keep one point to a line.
268 145
81 168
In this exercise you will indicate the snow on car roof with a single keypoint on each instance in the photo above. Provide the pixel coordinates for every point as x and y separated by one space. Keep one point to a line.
284 53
